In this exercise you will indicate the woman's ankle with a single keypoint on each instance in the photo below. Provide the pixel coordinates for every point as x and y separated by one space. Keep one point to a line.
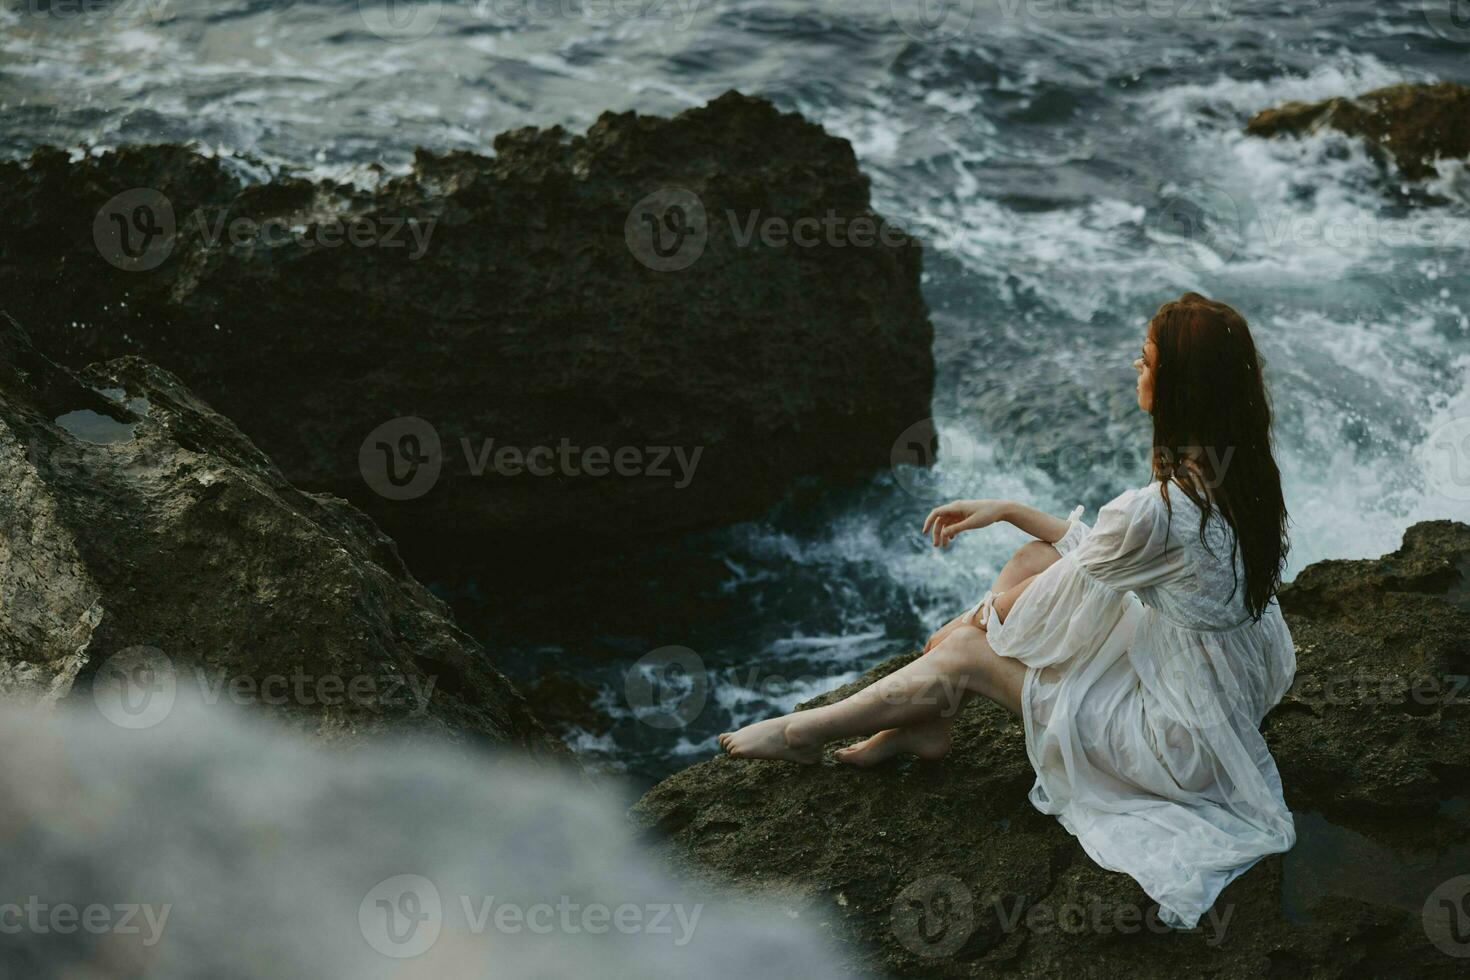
801 732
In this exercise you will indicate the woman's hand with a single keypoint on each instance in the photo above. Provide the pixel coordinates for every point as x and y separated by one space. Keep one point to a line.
943 523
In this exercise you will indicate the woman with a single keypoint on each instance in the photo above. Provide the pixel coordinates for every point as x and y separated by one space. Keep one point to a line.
1141 654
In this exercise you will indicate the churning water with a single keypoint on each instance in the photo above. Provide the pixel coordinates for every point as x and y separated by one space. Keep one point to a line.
1053 157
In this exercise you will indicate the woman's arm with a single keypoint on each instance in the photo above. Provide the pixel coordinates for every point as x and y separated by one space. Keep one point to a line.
1038 524
943 523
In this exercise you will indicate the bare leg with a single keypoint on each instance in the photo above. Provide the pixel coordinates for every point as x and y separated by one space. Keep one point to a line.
1028 561
926 690
913 707
931 740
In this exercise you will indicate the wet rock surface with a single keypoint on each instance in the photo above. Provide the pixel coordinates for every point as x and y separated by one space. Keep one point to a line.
144 539
1411 125
945 869
623 291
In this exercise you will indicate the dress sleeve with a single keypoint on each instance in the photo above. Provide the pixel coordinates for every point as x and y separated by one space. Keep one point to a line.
1129 548
1075 533
1071 608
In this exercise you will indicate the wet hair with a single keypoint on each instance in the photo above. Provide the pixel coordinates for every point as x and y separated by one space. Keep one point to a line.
1212 434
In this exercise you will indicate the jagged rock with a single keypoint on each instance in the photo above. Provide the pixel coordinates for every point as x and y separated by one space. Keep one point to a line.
1411 124
1378 722
521 313
141 531
945 869
565 701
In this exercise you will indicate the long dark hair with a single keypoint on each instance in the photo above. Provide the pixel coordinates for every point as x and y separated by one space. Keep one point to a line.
1212 434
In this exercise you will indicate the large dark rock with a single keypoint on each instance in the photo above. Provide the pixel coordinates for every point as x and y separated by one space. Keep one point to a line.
945 869
521 313
1410 124
142 534
1378 722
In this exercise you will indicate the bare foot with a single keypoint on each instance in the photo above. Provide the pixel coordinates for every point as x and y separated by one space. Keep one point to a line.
928 741
774 738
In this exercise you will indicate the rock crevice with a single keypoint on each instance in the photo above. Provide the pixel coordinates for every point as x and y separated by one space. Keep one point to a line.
136 522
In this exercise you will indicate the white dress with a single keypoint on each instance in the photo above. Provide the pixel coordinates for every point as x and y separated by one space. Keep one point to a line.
1145 688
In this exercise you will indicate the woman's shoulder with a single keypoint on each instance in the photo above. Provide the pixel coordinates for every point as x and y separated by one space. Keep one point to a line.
1144 501
1154 496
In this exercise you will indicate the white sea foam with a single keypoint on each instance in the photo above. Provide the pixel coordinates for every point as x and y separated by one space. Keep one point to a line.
1359 308
1343 73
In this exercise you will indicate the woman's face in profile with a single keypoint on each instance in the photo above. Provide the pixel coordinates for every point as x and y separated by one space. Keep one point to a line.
1144 365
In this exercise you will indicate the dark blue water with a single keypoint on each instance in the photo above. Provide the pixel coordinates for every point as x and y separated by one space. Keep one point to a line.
1044 151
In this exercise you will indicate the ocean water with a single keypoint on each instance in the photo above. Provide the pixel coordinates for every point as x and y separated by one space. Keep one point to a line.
1069 166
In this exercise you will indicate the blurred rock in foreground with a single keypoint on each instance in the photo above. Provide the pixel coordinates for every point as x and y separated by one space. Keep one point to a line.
206 847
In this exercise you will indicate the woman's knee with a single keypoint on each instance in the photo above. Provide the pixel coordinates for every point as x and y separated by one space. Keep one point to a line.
968 656
1034 557
955 647
965 653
